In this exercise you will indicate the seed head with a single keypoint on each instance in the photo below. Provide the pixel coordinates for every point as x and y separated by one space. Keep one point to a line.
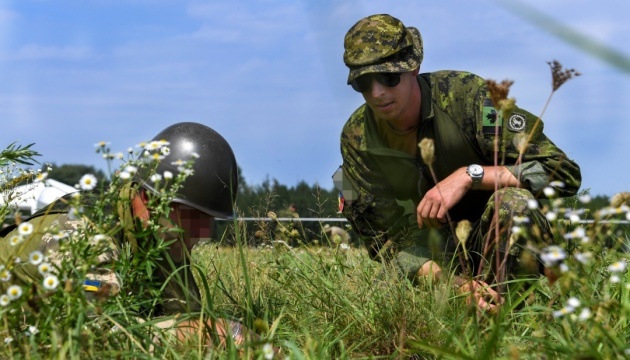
463 230
427 150
498 91
560 76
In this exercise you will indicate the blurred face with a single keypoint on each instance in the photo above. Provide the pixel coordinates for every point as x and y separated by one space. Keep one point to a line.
195 224
184 224
388 102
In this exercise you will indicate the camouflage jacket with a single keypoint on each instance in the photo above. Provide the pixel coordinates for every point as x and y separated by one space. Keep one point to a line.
382 186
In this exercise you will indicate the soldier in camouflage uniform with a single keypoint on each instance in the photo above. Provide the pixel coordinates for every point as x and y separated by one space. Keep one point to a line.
209 192
389 194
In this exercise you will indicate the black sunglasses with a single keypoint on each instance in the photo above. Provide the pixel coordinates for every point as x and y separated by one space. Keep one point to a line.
364 82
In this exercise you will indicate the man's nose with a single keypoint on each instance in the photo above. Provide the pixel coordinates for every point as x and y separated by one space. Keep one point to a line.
376 88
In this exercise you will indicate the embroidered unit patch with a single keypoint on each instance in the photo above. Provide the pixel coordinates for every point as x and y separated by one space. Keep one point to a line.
516 123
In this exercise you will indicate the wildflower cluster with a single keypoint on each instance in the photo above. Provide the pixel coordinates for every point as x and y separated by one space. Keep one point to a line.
44 264
584 255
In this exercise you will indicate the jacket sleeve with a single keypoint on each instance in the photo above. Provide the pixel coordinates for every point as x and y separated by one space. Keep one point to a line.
542 163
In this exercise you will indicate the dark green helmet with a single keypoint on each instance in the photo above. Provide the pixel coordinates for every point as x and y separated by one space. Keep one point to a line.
213 185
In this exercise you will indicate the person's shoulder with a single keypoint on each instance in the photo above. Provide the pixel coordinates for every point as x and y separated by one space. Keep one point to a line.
449 80
358 117
356 123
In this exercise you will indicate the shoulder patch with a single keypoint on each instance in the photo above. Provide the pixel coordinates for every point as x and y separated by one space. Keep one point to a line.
490 119
516 123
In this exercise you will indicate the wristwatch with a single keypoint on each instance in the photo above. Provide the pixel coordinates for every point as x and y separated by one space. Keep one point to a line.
476 174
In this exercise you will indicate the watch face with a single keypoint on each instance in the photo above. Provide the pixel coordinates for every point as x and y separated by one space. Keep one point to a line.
475 170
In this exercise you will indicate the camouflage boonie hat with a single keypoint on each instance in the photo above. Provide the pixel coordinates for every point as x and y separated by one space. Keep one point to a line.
381 43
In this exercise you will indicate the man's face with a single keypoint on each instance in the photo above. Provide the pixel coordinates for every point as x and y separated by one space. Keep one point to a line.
390 102
195 224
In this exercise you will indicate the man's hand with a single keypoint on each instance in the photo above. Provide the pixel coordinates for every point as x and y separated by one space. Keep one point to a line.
441 198
481 295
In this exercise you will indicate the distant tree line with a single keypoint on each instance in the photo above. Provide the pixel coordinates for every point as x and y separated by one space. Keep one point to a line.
252 201
259 201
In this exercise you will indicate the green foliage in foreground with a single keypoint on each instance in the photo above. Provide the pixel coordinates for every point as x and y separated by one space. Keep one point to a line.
315 302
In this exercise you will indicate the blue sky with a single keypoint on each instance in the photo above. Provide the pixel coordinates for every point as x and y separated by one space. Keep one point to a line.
269 76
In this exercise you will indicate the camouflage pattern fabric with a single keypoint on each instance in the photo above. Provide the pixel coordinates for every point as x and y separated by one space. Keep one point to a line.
384 186
381 43
483 254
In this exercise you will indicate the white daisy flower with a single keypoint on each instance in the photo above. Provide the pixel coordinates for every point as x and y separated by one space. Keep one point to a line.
155 157
8 340
532 204
549 191
101 144
74 212
59 235
32 330
4 300
99 237
153 145
185 171
87 182
617 267
124 175
520 219
155 178
573 217
14 292
578 233
165 150
564 311
168 175
552 255
551 216
15 240
36 257
40 177
267 351
25 228
585 314
344 246
131 169
51 282
44 268
585 199
573 302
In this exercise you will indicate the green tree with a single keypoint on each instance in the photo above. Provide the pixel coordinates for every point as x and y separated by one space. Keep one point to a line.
70 174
